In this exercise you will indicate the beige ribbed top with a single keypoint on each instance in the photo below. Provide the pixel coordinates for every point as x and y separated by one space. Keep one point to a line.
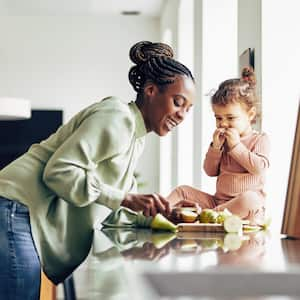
240 169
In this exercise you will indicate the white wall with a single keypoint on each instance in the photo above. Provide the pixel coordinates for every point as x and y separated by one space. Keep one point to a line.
168 144
280 94
219 62
277 61
249 33
70 62
215 59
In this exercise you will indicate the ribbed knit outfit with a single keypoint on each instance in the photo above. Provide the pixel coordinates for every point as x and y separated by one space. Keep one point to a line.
240 182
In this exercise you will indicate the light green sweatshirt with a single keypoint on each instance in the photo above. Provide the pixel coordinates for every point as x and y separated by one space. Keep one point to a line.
65 180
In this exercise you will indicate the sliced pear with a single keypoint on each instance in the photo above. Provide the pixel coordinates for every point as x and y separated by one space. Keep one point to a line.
233 224
222 215
188 216
160 222
251 228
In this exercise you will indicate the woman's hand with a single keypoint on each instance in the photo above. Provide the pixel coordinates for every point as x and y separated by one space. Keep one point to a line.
187 203
149 204
218 138
232 137
176 214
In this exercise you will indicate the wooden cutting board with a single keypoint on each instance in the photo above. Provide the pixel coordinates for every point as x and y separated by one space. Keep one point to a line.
203 227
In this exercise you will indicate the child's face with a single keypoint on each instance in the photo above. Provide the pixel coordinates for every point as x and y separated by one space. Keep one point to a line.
234 115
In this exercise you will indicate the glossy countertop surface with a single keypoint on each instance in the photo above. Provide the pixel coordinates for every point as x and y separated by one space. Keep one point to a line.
141 264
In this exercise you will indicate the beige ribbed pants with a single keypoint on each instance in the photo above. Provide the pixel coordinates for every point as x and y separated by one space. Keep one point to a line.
249 205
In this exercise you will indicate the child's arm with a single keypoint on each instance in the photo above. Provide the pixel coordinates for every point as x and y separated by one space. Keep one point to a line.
255 161
212 161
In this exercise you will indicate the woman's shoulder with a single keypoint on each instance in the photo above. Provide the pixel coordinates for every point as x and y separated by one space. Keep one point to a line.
110 104
107 109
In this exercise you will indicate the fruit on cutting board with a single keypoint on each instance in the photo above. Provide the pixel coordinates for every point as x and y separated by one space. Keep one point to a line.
233 224
188 216
162 223
222 215
208 216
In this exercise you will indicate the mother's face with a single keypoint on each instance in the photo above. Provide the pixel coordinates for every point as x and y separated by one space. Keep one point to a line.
166 109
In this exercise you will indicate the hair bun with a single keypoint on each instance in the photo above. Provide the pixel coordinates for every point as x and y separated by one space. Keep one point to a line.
248 76
144 50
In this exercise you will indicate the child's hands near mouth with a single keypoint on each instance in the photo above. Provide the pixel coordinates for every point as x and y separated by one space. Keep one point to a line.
218 138
232 137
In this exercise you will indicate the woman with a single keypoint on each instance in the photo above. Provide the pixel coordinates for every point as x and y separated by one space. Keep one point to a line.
51 196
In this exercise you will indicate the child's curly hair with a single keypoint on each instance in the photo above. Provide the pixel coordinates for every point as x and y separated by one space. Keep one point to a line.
238 90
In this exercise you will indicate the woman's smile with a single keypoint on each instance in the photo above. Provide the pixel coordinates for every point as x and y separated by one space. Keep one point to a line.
171 123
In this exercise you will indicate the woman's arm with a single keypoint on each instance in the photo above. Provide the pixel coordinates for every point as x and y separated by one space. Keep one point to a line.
71 171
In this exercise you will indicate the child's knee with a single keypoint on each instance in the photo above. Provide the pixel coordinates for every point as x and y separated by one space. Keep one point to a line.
253 203
183 190
179 193
250 199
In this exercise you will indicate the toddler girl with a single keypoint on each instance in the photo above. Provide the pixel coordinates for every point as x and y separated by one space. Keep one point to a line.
237 155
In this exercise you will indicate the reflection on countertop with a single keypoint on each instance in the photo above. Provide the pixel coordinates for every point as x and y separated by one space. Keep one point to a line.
118 256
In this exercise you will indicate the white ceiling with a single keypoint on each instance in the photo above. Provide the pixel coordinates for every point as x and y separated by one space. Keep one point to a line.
150 8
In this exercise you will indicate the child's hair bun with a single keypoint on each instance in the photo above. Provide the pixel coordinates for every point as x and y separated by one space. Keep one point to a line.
248 76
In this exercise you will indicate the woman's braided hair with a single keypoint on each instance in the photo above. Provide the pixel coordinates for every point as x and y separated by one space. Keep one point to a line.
154 63
241 90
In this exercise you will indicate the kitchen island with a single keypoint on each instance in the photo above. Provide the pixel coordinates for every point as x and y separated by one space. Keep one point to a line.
141 264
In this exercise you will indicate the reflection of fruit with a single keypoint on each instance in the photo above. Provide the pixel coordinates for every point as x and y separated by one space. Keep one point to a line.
188 244
232 242
162 223
188 216
233 224
208 216
209 244
160 239
266 223
222 215
251 228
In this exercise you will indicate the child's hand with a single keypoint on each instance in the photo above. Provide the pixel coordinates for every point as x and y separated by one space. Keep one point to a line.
218 138
232 137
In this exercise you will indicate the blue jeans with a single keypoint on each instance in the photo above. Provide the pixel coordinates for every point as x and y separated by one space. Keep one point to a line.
20 269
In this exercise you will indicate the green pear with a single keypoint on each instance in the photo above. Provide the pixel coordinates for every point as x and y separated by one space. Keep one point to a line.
208 216
162 223
222 215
